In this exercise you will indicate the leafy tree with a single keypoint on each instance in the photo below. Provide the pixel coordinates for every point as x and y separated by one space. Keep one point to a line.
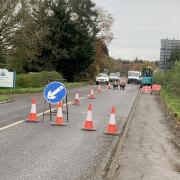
175 56
29 37
72 28
9 22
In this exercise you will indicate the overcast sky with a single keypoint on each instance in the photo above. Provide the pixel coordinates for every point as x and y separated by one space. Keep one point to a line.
140 24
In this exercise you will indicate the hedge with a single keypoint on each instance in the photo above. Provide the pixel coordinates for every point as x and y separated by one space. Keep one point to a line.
36 79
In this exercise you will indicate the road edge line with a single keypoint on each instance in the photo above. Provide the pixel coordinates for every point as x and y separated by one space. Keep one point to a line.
115 163
109 165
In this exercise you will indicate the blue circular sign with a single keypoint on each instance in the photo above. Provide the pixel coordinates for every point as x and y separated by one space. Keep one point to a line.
55 92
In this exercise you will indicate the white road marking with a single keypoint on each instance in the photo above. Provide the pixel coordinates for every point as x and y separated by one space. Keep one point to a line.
10 125
21 121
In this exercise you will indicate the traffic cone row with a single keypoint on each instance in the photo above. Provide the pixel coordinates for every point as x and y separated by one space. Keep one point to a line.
32 117
76 100
88 124
111 127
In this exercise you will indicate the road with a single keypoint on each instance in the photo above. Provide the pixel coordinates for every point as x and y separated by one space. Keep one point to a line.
41 151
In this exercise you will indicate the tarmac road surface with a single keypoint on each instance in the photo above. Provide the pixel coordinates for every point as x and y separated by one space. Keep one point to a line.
33 151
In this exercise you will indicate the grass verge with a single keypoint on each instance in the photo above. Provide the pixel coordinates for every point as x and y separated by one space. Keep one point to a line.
172 102
4 93
4 98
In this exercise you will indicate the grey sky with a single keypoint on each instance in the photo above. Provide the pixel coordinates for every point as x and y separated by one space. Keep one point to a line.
140 24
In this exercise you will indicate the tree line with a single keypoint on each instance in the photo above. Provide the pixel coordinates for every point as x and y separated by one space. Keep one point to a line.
69 36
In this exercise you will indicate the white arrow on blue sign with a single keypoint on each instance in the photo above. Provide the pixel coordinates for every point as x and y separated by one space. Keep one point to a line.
55 92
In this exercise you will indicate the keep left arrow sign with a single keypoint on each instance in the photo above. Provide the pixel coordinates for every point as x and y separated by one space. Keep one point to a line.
51 95
55 92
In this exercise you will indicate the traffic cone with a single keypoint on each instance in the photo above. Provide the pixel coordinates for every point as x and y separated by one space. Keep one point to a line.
32 115
92 96
59 121
99 89
109 85
88 124
76 99
112 127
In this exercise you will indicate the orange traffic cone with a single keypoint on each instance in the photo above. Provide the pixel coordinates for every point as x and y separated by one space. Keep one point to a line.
92 96
33 116
112 127
59 121
99 89
88 124
109 85
76 99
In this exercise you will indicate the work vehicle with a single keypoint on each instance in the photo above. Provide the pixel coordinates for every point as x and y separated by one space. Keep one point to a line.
134 77
114 77
147 76
102 78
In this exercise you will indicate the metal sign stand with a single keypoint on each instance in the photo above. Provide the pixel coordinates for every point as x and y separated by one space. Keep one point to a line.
51 111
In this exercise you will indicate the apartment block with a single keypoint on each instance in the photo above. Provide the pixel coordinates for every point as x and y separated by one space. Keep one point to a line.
167 48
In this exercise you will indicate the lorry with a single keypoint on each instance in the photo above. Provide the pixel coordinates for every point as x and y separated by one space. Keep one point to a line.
134 77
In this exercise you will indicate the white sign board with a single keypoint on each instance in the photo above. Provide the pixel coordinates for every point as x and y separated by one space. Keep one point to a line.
6 78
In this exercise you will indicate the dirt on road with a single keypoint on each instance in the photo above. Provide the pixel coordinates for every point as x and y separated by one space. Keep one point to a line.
152 146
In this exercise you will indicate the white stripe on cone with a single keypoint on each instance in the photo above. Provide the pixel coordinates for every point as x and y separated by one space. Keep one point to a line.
89 116
33 108
77 96
59 112
92 91
112 119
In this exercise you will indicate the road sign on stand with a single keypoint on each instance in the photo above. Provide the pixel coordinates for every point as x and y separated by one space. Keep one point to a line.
55 92
105 70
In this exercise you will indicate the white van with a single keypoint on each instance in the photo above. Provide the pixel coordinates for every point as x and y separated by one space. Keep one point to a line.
134 77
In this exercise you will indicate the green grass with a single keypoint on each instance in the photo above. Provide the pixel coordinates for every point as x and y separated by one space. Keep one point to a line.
4 91
172 101
4 98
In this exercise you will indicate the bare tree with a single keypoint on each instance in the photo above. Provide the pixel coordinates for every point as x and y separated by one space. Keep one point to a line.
105 24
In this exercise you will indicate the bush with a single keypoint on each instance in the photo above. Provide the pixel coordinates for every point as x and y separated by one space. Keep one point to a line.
170 80
36 79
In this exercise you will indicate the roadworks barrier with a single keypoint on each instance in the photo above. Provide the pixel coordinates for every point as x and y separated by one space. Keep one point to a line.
156 88
146 89
88 124
33 115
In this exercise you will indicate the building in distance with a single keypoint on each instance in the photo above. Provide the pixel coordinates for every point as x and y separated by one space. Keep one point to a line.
168 46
